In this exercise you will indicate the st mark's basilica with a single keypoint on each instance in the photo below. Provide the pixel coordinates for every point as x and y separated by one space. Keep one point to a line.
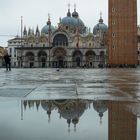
69 45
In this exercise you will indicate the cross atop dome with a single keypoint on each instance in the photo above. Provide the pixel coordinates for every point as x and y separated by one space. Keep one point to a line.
68 5
49 21
49 16
101 14
101 20
74 7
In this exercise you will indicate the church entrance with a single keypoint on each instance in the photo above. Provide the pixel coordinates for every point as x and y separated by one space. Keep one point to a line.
90 59
43 62
60 62
59 58
77 58
78 62
42 58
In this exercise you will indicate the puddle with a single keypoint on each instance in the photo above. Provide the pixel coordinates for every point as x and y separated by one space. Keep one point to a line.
69 120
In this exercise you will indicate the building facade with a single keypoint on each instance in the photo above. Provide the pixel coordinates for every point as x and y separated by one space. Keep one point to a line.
139 44
68 45
3 51
12 51
122 33
71 44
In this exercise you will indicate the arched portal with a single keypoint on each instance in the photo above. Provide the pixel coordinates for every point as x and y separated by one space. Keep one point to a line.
42 58
102 59
59 58
90 59
77 58
29 58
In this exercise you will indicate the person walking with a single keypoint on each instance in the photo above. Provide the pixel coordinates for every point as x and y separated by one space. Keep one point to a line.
7 59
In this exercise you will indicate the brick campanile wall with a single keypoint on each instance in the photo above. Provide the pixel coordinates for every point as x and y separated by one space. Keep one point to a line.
122 32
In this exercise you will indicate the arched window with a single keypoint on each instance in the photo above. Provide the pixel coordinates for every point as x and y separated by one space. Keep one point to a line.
42 53
30 56
60 39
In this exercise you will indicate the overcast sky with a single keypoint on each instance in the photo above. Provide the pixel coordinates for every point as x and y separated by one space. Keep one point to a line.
35 12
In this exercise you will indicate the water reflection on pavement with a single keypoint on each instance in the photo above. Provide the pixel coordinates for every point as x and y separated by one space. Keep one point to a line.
69 119
72 104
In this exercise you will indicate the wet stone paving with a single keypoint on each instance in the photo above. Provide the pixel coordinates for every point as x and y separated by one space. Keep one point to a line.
101 104
70 83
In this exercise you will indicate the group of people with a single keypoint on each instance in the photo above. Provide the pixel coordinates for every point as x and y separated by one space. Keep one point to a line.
7 59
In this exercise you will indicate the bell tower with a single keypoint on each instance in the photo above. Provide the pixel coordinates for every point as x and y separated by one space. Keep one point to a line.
122 34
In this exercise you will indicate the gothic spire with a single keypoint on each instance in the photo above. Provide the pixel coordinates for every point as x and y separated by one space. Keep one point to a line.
37 31
24 31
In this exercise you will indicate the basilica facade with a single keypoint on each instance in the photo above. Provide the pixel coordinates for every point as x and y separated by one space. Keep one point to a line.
69 45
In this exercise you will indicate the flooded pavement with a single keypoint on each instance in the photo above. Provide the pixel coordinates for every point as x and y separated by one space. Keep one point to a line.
69 119
79 104
109 84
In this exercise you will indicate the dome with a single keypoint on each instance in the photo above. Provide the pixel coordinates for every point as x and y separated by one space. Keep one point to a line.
75 14
45 29
73 110
71 113
74 23
100 26
69 21
47 105
100 106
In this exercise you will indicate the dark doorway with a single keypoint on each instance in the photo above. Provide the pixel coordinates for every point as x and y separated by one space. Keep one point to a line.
43 63
31 64
61 64
78 61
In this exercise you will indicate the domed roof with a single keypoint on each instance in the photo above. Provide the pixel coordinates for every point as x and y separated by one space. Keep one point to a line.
73 20
100 106
100 26
73 110
69 21
47 105
45 29
75 14
70 113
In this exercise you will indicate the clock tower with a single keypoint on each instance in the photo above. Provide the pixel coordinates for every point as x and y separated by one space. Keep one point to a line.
122 34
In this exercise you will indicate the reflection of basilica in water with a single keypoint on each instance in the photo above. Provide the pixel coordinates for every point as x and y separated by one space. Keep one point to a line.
70 110
122 115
